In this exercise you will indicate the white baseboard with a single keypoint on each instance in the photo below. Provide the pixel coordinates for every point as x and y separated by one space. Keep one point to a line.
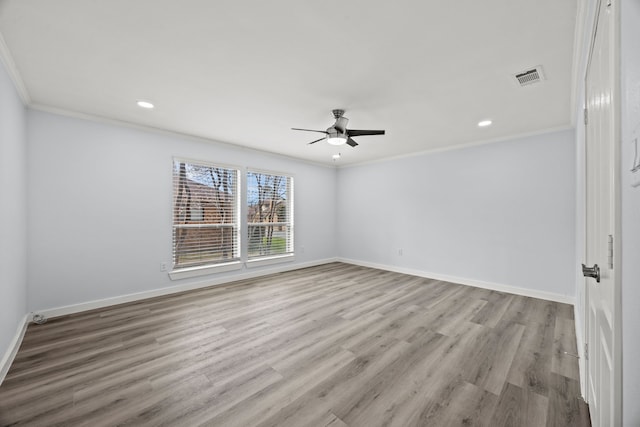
248 274
11 352
549 296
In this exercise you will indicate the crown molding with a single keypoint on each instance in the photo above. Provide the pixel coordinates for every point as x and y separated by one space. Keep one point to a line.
12 70
463 146
167 132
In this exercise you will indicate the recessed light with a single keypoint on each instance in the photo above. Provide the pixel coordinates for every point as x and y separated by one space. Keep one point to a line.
145 104
484 123
336 156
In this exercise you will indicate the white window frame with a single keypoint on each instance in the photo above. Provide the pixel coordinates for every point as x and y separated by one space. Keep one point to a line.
289 256
215 267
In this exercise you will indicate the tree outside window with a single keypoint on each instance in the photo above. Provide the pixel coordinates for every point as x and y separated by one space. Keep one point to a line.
269 214
205 214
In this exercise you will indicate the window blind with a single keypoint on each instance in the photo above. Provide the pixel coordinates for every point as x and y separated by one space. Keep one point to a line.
269 214
205 214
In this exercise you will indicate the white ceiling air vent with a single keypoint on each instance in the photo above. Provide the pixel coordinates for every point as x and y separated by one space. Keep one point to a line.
529 77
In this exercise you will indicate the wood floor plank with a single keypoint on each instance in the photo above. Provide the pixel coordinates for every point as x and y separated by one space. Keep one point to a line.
459 404
565 349
493 310
271 400
531 365
333 345
566 408
345 383
377 397
509 411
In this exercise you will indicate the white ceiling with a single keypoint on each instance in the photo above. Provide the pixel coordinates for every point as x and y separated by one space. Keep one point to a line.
246 72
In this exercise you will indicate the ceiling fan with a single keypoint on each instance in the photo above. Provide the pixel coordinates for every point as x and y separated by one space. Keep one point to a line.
338 134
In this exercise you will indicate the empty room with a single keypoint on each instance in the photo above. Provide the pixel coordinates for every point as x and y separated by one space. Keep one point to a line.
299 213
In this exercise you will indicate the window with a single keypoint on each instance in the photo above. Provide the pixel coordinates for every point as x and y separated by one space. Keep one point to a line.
205 214
269 215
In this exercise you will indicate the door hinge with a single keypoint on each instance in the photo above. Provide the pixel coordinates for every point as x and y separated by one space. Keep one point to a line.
610 251
586 116
586 351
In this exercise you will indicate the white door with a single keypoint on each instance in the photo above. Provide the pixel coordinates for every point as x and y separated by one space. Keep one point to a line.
601 183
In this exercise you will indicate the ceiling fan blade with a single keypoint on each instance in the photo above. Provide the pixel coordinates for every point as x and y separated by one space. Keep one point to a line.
356 132
351 142
311 130
313 142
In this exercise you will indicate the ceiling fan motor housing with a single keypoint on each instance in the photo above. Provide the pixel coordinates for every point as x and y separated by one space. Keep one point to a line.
341 124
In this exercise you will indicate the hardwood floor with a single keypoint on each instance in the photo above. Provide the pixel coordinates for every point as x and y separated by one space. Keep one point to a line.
335 345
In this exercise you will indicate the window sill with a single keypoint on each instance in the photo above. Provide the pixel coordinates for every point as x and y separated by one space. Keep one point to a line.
271 260
204 270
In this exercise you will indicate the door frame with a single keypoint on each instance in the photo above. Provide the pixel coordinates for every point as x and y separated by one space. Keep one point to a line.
616 207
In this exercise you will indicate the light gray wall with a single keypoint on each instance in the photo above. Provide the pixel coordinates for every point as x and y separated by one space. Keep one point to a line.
13 199
630 85
501 213
100 207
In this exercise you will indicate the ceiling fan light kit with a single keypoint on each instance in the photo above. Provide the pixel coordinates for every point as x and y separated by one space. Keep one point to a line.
336 140
145 104
338 134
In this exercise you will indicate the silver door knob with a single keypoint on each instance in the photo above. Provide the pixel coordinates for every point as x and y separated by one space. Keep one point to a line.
591 272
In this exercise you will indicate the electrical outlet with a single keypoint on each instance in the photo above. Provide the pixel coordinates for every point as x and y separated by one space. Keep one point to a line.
400 251
163 266
301 249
